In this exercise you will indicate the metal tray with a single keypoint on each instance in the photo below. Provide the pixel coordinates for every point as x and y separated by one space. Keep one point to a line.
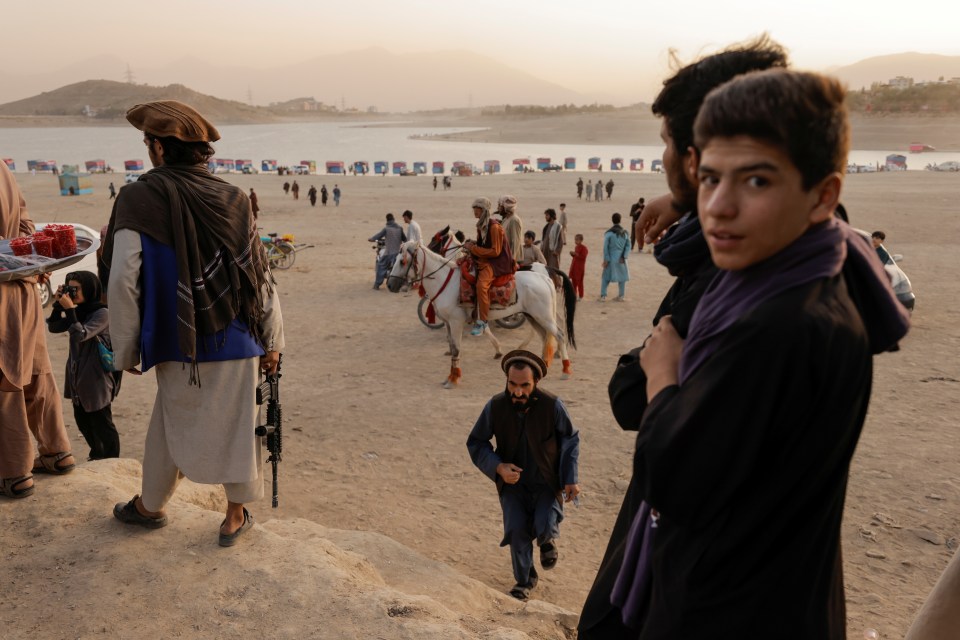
85 245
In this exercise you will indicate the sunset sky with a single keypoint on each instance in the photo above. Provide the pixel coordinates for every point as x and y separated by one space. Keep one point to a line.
587 46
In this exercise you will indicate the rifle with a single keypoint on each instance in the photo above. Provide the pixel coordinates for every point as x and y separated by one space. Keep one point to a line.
269 392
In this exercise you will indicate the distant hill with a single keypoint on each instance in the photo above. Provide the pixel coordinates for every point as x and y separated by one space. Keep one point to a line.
372 77
921 67
109 100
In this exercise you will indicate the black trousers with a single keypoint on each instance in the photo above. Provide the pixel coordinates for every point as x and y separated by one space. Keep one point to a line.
99 431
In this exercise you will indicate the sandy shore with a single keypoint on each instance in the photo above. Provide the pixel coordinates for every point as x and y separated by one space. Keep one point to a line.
373 443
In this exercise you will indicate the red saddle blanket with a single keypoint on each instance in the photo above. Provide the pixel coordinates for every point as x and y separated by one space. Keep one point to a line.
503 289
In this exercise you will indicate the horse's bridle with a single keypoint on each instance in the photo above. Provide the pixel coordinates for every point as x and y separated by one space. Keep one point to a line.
413 252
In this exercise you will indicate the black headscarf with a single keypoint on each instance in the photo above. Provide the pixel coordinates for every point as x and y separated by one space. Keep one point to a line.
92 293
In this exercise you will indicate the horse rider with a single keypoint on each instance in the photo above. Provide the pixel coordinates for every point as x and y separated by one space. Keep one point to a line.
491 252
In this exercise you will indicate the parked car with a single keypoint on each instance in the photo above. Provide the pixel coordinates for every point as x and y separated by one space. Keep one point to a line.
898 279
553 167
88 263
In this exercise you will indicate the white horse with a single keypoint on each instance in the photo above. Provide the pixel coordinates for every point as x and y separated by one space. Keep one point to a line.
536 298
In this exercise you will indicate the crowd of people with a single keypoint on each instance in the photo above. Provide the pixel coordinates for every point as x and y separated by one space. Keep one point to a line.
747 396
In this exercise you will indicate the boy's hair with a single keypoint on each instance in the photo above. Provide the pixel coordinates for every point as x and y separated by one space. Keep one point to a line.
616 218
683 93
552 213
802 113
879 234
530 234
408 214
390 217
579 236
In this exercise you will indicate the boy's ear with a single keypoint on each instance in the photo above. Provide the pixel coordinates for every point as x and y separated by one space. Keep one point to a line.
827 198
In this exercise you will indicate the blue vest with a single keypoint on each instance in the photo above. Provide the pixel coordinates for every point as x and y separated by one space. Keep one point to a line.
158 319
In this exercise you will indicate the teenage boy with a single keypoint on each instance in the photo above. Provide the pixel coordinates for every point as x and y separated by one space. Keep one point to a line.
744 450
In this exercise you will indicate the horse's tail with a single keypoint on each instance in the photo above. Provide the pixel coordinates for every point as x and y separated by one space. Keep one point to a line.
569 301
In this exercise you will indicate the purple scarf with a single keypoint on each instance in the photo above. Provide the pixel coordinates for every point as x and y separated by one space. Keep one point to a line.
631 590
822 252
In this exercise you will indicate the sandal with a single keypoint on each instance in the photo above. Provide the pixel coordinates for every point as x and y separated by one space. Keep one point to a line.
127 512
230 539
51 464
549 554
520 592
8 487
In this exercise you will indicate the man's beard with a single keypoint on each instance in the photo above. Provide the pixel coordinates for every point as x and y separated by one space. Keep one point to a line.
519 402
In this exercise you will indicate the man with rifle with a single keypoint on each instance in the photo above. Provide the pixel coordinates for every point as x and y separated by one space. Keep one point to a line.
192 297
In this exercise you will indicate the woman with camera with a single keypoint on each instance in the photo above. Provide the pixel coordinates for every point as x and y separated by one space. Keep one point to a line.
88 381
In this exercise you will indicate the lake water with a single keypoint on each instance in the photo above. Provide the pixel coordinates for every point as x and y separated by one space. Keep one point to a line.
324 141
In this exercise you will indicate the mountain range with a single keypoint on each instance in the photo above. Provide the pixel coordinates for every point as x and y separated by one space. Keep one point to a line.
378 80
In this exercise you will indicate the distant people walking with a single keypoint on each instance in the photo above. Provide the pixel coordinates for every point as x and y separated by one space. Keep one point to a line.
447 182
312 195
609 188
580 188
295 188
113 191
78 311
589 190
393 236
635 210
286 188
254 204
598 191
324 194
434 183
578 264
336 195
616 247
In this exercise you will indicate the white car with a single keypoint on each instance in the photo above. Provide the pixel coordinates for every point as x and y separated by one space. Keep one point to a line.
88 263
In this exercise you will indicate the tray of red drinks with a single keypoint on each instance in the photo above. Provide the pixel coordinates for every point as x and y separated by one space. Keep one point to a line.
56 246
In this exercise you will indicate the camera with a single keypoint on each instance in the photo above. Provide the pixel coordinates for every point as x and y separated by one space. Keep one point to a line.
69 290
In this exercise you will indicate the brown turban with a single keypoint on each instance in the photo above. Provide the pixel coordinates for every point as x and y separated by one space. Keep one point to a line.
522 355
170 118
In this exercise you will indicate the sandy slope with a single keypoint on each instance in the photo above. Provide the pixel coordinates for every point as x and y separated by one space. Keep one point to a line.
375 445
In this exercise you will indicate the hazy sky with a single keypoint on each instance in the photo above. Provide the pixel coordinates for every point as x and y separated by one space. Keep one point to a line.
585 45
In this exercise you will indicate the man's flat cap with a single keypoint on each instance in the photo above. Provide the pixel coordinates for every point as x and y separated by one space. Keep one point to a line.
170 118
531 359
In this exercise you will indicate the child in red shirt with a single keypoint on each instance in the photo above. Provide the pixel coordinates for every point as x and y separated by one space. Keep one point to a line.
578 264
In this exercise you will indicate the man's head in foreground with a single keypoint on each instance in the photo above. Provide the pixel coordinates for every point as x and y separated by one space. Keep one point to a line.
174 133
680 100
772 150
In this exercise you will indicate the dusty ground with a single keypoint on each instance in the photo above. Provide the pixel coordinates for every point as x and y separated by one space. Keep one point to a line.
373 443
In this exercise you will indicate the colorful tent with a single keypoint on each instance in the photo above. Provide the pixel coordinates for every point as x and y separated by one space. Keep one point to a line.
570 163
361 168
636 164
335 166
656 166
419 167
96 166
521 164
268 165
399 167
244 166
616 164
491 166
10 164
224 165
380 167
896 162
311 165
543 163
75 184
70 168
41 165
593 163
133 165
438 167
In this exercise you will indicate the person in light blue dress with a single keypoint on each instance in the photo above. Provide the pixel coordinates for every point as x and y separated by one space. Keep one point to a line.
616 248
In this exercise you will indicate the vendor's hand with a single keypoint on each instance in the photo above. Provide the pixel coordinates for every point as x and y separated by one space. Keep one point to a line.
509 472
656 218
571 491
270 362
43 278
660 357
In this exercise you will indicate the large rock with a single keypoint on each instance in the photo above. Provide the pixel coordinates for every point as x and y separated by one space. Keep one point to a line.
68 569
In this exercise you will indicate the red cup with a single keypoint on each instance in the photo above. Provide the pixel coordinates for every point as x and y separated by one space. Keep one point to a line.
22 246
65 240
43 244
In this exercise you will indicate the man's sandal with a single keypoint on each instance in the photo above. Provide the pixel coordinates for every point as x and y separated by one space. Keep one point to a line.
549 554
520 592
127 512
230 539
51 464
8 487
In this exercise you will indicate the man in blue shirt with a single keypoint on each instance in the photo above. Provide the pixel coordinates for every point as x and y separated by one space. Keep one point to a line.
534 464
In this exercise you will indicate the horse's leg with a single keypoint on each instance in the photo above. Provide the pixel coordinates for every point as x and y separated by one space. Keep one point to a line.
493 340
456 337
561 322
